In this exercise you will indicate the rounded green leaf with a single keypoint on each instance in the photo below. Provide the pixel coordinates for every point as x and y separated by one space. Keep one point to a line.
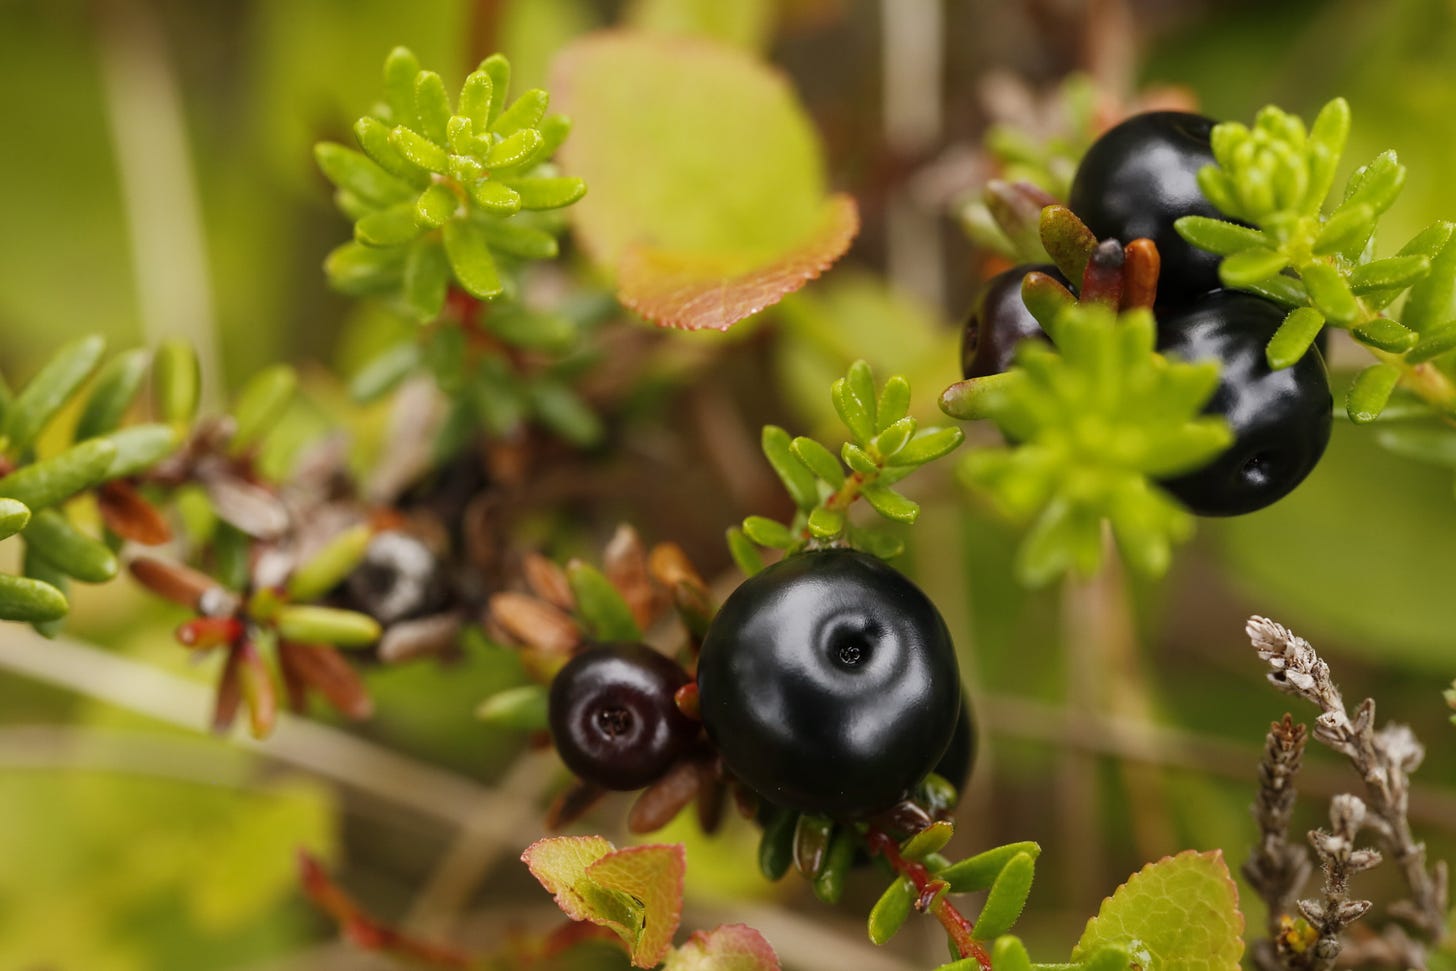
825 523
599 604
797 479
768 532
471 260
358 173
13 517
980 871
890 912
306 624
818 460
1369 393
521 709
177 380
745 556
53 537
1293 337
261 403
327 567
1007 897
54 480
139 447
776 846
116 387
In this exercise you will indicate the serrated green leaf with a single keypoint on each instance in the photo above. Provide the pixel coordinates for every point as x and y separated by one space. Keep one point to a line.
1377 184
1283 290
1436 341
471 260
359 174
116 387
891 504
852 412
515 238
525 112
1348 226
476 96
768 532
1432 301
1329 292
69 550
523 708
498 69
53 480
825 523
600 606
432 106
496 197
1009 954
818 460
1368 394
30 601
308 624
979 872
260 403
797 480
45 394
419 150
1325 147
1251 266
891 911
517 150
1219 236
1007 897
1293 338
401 67
548 193
1387 335
1392 272
1179 914
395 226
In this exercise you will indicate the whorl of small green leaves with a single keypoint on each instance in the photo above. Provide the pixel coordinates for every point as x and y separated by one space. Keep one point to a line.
1276 177
1095 420
442 191
886 444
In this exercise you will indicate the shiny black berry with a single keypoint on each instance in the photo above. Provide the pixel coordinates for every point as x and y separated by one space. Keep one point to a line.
613 718
1280 419
1000 321
829 683
1137 179
955 765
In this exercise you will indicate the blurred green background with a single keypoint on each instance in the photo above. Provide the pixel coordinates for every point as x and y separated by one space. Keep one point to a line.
157 180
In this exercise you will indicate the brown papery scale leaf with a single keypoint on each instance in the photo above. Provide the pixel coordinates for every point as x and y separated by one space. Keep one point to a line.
229 693
127 514
172 581
250 508
325 670
548 581
625 565
433 636
576 801
535 623
665 798
295 688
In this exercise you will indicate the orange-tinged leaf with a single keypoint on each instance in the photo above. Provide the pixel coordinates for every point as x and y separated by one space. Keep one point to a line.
560 862
731 947
1178 914
708 198
653 876
692 293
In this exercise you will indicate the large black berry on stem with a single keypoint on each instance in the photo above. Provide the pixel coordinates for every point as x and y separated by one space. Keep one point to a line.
1280 419
829 683
1140 177
613 718
999 322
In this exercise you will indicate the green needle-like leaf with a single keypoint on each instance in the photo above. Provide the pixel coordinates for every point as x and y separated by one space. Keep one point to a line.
68 549
434 207
261 403
360 174
1219 236
797 479
890 504
819 460
13 517
401 68
1330 293
471 260
30 601
776 846
139 447
548 193
498 69
53 480
395 226
426 279
1250 266
891 911
419 150
432 106
116 387
521 709
1009 954
601 607
40 400
514 238
1436 341
928 445
526 112
1007 897
496 197
1386 335
362 271
768 532
385 372
1293 337
304 624
516 150
475 99
825 523
327 568
744 554
1367 396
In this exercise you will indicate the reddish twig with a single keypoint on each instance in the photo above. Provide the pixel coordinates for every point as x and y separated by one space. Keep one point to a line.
932 897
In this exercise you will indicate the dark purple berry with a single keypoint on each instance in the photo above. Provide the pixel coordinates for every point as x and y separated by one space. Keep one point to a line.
999 322
1280 419
613 717
829 683
1140 177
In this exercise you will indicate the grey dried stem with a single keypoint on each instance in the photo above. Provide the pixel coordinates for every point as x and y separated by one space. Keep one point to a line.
1384 760
1277 869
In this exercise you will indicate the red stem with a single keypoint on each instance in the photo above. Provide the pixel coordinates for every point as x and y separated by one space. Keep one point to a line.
933 898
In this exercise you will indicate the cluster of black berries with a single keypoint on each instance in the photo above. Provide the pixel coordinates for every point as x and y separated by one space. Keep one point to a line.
1135 182
828 684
